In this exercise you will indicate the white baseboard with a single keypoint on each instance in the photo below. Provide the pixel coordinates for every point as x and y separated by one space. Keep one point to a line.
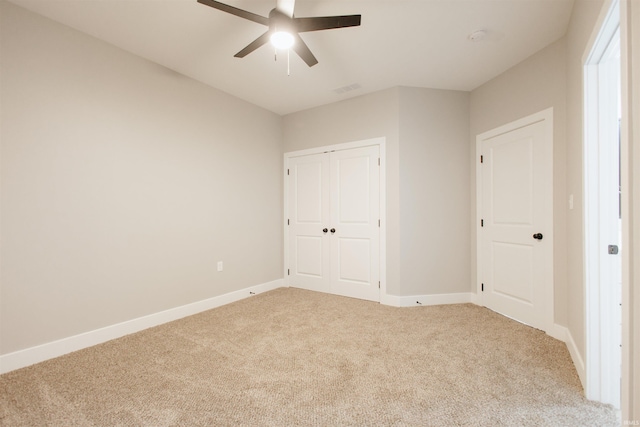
562 333
435 299
556 331
40 353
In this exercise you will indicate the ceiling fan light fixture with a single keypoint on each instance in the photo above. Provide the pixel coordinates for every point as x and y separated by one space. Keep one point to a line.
282 40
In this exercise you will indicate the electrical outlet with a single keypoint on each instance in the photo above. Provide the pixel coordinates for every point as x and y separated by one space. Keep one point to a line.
220 266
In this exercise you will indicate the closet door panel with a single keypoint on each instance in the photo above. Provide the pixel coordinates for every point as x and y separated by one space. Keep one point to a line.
355 213
309 260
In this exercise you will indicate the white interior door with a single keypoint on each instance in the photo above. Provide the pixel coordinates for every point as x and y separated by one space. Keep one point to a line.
333 222
355 213
309 193
516 237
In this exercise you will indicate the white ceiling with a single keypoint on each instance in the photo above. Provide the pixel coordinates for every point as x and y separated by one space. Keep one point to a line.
421 43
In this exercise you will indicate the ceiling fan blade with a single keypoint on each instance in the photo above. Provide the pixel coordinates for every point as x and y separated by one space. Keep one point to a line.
263 39
285 7
235 11
303 51
326 22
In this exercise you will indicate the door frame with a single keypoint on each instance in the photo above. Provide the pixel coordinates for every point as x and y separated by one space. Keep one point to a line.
381 143
598 315
545 116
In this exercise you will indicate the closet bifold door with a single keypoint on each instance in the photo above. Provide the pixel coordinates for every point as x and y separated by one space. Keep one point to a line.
334 228
308 216
355 213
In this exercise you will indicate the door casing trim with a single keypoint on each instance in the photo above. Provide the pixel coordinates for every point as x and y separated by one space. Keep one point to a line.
597 313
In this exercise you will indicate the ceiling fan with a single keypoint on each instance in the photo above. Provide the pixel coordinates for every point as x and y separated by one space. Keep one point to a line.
284 28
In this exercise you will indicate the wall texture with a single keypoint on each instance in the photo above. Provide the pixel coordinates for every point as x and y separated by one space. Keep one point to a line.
123 184
434 191
583 22
630 28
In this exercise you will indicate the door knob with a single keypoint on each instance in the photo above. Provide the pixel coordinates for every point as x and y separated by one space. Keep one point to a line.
333 230
538 236
324 230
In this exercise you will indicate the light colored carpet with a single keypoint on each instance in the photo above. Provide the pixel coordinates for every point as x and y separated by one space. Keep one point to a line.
294 357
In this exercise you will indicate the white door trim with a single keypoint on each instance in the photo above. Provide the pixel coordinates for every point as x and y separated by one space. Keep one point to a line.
545 116
381 143
598 314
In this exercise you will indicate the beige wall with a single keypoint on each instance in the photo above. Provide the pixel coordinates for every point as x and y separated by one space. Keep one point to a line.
531 86
583 21
122 185
427 177
434 191
630 35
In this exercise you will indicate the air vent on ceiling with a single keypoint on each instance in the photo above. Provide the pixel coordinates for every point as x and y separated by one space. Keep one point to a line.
348 88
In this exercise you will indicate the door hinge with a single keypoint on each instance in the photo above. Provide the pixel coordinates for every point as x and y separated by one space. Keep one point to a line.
378 223
378 285
287 222
378 161
288 272
481 159
482 287
482 223
287 171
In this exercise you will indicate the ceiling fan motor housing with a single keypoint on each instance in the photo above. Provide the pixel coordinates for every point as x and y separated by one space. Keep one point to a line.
278 21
